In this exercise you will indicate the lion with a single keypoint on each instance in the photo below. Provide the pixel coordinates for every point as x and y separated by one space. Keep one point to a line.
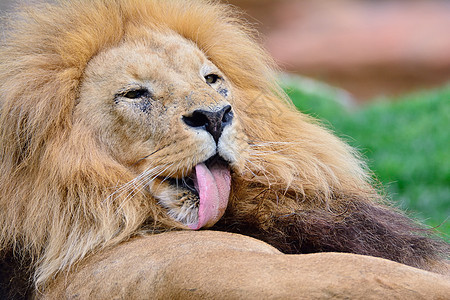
130 118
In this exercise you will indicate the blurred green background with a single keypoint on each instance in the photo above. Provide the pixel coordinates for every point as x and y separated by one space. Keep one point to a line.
405 140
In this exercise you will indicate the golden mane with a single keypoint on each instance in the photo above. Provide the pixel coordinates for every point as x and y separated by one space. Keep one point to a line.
42 61
54 180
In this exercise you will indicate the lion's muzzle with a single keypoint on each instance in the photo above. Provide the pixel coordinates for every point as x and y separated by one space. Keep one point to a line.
213 121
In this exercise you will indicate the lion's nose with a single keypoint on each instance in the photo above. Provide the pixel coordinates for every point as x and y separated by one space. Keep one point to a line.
213 121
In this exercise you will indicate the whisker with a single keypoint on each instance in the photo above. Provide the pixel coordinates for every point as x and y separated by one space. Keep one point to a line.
132 187
260 169
266 143
166 177
250 170
144 181
264 152
125 186
147 156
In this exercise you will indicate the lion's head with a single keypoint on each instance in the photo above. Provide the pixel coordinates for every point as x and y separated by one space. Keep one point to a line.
161 108
133 116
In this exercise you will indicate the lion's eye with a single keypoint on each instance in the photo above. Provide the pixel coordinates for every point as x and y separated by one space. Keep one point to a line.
211 78
135 94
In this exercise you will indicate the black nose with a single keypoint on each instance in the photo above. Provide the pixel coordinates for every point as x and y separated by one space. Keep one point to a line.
211 121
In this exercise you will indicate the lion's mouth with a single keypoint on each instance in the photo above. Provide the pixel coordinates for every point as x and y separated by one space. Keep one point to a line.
206 193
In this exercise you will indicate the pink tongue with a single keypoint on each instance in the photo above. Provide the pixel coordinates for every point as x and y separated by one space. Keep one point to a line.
213 186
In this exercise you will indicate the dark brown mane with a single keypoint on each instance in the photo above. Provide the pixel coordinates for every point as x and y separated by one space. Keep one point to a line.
363 228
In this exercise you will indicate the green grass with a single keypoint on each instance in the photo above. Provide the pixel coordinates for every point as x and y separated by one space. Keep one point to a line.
406 142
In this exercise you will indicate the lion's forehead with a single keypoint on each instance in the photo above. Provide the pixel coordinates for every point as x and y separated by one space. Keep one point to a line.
171 67
156 58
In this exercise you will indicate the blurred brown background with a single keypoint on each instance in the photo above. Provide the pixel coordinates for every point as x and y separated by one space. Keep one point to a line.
368 47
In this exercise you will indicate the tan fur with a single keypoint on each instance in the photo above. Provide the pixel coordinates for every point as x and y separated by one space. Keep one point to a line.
69 177
218 265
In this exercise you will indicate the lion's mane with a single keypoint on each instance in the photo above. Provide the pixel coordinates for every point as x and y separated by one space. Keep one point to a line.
303 190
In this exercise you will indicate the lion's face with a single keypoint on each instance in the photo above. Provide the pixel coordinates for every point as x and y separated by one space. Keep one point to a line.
162 109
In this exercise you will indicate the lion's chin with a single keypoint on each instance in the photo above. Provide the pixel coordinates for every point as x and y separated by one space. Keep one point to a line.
204 194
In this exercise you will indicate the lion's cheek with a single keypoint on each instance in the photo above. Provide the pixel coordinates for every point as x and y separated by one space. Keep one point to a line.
233 146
